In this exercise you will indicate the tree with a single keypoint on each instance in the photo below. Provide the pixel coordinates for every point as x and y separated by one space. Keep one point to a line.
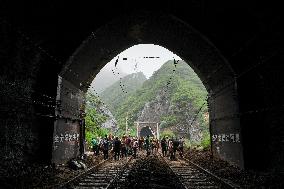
167 133
94 117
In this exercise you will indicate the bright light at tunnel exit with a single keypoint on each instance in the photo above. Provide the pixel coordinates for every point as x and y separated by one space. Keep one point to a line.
136 59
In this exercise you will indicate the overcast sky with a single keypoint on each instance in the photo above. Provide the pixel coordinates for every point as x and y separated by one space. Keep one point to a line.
136 61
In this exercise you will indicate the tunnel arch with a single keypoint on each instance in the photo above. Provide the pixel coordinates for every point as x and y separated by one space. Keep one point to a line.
167 31
170 32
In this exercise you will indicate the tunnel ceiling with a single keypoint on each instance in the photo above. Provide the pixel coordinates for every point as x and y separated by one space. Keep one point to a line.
144 27
61 27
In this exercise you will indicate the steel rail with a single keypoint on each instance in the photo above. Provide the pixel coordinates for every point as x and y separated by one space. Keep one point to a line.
226 182
120 172
183 185
61 185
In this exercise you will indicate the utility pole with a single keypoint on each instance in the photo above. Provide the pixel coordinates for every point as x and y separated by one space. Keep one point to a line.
126 124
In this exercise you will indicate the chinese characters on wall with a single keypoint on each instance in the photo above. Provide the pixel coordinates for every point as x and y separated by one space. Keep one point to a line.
67 137
234 138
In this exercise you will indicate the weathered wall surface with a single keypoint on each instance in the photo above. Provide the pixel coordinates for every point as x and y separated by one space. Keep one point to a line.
261 100
252 42
67 135
226 136
26 102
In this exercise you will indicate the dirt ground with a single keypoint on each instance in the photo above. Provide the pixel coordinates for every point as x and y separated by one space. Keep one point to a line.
44 176
150 172
243 178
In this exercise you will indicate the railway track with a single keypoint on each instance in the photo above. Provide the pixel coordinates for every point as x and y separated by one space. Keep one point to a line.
111 174
114 174
192 175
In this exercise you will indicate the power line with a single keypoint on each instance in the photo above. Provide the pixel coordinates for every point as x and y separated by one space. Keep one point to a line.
198 111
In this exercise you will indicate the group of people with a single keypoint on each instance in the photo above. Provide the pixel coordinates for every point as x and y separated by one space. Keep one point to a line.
171 146
127 145
119 147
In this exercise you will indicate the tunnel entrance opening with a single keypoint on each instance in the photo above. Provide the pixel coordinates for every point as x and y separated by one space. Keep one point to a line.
164 30
148 85
146 131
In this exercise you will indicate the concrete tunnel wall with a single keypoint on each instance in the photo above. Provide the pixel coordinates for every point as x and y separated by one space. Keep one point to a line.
36 39
171 33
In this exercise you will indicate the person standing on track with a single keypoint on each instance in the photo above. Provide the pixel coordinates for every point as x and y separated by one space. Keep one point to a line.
95 145
164 146
123 148
127 144
157 145
105 147
135 147
175 146
140 143
147 145
152 142
171 150
116 148
111 144
181 144
167 145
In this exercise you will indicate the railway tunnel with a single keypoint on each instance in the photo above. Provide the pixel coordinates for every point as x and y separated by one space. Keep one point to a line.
48 63
80 70
145 131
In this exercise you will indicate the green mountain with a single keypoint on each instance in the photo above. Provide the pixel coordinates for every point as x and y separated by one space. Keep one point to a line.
173 96
114 95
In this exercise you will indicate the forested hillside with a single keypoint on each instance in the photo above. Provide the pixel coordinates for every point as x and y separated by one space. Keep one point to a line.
174 96
115 94
101 107
96 115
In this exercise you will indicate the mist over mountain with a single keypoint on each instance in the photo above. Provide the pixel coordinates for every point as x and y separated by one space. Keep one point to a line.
106 78
119 91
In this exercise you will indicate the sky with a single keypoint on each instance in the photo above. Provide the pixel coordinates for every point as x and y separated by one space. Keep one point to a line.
132 60
136 61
